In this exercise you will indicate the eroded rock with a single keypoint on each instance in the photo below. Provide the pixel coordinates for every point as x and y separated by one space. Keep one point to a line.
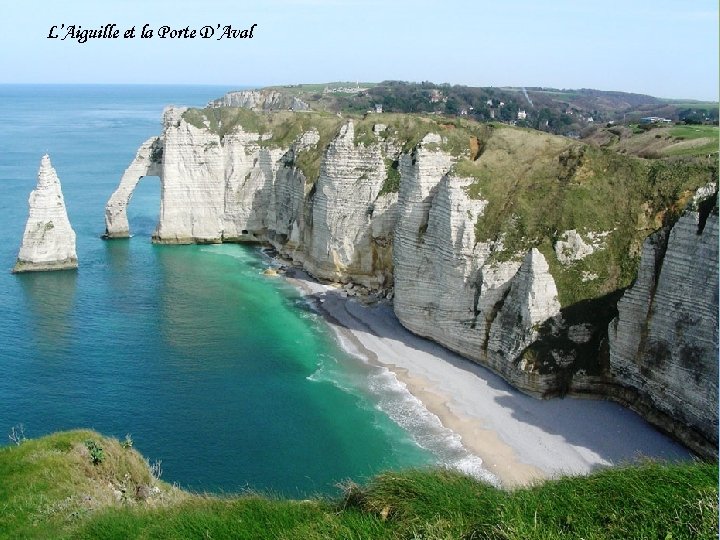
664 341
49 241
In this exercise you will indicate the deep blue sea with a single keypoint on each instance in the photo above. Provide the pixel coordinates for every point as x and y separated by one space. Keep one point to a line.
225 376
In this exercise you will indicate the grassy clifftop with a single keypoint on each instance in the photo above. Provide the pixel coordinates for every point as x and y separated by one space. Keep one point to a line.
53 487
655 141
279 129
538 186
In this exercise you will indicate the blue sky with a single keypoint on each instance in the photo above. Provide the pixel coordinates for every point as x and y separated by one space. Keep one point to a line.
659 47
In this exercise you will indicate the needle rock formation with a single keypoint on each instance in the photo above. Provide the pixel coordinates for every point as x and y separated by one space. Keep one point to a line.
49 240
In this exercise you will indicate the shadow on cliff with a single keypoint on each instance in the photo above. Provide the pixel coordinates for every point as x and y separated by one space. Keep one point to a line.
602 432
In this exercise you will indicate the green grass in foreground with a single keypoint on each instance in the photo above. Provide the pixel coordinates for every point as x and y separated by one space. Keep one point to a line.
49 488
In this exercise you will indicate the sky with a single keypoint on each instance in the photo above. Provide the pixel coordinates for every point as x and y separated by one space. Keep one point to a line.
658 47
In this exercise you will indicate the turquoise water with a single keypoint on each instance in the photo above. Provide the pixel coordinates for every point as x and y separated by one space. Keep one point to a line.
223 374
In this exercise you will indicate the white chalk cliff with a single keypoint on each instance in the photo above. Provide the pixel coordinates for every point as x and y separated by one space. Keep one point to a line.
146 163
664 341
342 244
49 241
449 289
346 222
263 100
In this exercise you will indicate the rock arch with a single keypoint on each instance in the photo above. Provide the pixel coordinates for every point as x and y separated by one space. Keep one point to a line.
147 162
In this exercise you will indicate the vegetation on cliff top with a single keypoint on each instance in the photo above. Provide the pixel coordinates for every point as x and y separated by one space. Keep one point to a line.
278 130
49 487
538 186
548 109
407 130
655 141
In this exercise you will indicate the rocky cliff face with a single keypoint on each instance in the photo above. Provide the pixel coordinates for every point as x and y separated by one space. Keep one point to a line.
447 286
260 100
49 241
507 246
664 341
344 242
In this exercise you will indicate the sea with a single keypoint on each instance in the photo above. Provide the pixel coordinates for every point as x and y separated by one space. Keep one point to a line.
226 379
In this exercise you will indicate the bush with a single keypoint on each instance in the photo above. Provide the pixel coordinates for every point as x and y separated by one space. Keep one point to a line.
96 452
128 442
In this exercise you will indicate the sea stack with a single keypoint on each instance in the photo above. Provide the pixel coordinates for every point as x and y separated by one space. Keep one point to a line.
49 240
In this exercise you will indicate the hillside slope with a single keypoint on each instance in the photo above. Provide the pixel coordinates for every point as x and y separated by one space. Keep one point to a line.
563 112
55 487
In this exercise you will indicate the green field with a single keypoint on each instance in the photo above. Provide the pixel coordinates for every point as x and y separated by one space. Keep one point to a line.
695 132
658 141
704 140
691 104
52 488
